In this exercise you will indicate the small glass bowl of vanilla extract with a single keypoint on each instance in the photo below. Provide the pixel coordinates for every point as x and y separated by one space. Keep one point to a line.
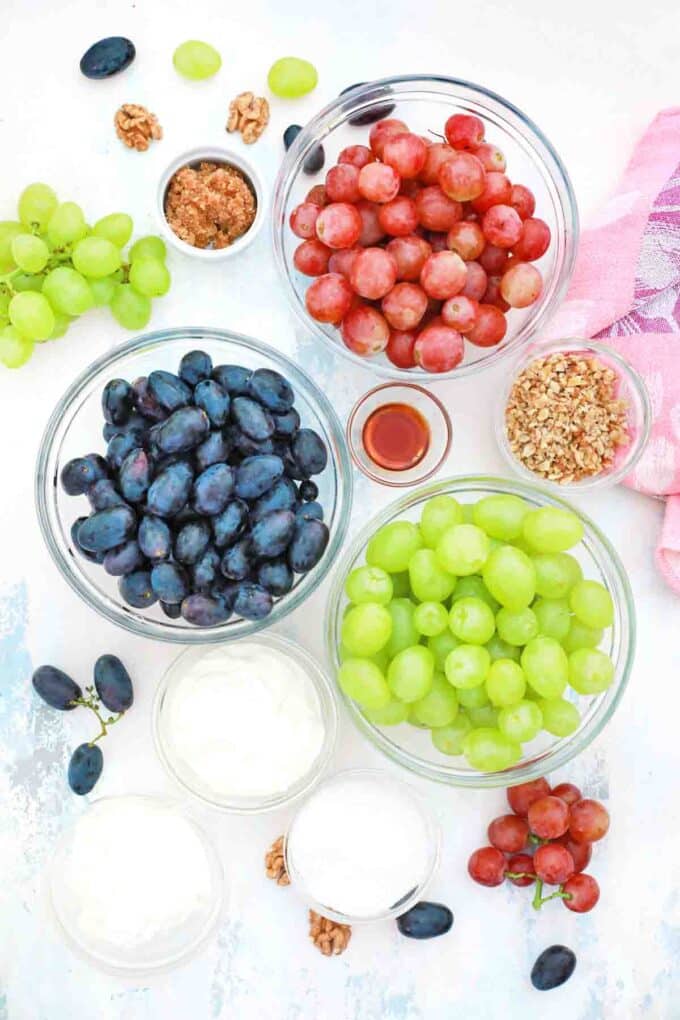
399 434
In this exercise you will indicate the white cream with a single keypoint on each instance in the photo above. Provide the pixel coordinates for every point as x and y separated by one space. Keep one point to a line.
242 720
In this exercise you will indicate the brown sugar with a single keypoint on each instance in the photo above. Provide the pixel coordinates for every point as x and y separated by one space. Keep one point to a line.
210 205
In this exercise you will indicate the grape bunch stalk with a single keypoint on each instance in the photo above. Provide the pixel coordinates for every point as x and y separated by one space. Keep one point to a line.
55 267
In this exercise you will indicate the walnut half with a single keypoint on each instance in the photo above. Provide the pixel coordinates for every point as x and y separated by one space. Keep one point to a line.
248 114
136 126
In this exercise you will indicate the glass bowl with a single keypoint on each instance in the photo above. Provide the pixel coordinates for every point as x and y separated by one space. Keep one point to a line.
424 102
182 773
74 428
630 388
412 747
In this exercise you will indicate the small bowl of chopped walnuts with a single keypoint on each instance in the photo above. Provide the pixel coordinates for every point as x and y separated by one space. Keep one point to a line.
574 415
211 203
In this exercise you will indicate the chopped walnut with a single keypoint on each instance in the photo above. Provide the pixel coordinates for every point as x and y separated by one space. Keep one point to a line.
275 863
248 114
209 206
136 127
329 937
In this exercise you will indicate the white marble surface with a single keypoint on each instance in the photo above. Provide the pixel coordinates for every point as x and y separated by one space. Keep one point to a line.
592 75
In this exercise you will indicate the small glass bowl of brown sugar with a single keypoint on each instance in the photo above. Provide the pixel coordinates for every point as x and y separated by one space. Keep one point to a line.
211 203
573 415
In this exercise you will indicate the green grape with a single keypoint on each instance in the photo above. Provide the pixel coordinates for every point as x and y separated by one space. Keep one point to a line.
66 224
116 228
463 549
32 315
440 645
554 617
439 707
472 586
411 672
196 60
15 350
505 683
103 290
500 516
393 545
37 202
429 582
61 325
130 309
96 257
484 715
517 626
401 585
449 739
545 666
148 247
366 629
439 514
30 253
580 636
430 618
27 281
391 714
8 231
520 722
404 633
510 577
550 529
467 666
560 717
291 77
150 276
67 291
489 750
556 574
592 604
473 697
591 671
472 621
499 649
364 682
369 584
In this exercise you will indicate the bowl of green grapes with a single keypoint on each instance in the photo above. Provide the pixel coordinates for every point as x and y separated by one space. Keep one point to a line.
481 631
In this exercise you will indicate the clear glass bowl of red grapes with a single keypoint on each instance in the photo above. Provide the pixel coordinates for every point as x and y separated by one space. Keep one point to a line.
423 226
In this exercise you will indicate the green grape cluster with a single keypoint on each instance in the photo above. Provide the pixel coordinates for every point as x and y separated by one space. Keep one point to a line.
477 624
54 267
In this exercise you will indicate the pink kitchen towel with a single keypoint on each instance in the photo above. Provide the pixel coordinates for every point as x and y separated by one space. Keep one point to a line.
626 292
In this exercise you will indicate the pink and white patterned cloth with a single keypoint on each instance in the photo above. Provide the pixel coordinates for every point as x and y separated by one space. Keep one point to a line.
626 292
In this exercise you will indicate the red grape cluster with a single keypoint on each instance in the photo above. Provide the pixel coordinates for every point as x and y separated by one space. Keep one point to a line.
560 826
416 244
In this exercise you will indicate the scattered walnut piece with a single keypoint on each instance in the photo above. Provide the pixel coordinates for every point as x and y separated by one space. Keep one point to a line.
209 206
563 419
136 127
329 937
248 114
275 863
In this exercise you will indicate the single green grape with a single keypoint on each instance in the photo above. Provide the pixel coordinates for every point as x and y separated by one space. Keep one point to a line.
130 308
439 514
31 315
391 714
439 706
429 581
591 671
393 545
483 715
463 549
472 621
30 253
592 604
103 290
96 257
560 717
430 618
472 586
467 666
556 574
580 636
510 576
410 673
473 697
404 632
291 77
363 682
148 247
489 750
9 229
500 516
440 645
196 60
366 629
67 291
545 666
61 325
554 618
37 202
449 739
505 683
15 350
150 276
520 722
116 228
516 626
499 649
66 224
401 585
551 529
369 584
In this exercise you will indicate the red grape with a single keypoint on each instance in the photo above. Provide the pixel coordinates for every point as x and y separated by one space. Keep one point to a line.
437 154
476 281
492 295
467 239
584 893
303 220
580 852
522 201
342 260
588 821
371 231
497 191
522 863
374 273
311 257
521 285
508 833
338 225
406 153
437 211
502 226
365 331
342 183
548 817
464 131
493 260
400 348
378 182
398 217
533 241
490 156
462 177
404 306
409 253
460 312
553 863
487 866
520 798
490 327
381 131
356 155
438 348
317 195
443 275
566 792
329 298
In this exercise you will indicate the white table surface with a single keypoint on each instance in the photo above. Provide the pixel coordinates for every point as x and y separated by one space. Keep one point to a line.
592 75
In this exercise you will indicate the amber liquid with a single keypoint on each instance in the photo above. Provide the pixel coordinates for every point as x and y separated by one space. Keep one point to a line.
396 437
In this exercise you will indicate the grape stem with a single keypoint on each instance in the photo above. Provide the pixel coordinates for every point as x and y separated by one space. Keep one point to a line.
539 899
436 134
93 703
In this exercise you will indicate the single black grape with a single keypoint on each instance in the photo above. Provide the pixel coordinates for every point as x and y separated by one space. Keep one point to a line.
85 768
195 366
82 472
107 57
136 590
112 683
315 161
204 611
124 559
104 494
368 116
425 921
135 475
106 529
56 688
309 490
290 134
553 967
170 391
